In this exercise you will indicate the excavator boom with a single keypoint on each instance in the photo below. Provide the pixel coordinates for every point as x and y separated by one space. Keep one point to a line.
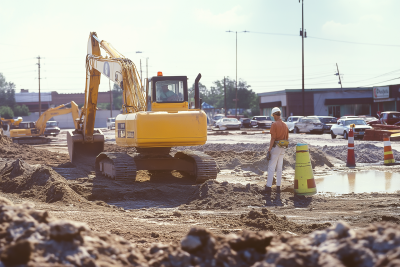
30 133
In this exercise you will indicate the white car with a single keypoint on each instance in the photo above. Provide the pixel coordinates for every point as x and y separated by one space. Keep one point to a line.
228 123
110 123
343 128
291 121
308 125
217 117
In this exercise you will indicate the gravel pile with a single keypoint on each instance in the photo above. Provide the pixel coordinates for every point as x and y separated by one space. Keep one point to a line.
365 153
31 237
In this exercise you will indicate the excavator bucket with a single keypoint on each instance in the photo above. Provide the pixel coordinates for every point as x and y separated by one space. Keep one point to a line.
78 148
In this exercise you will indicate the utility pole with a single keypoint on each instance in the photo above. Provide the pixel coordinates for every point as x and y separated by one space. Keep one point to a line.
224 97
338 74
147 69
141 76
236 100
303 35
111 102
40 103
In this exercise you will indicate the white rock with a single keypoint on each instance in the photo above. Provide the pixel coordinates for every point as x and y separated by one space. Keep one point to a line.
190 243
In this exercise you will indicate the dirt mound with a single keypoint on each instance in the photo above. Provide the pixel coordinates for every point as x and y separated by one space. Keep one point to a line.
214 195
35 181
266 220
31 237
256 161
364 152
30 154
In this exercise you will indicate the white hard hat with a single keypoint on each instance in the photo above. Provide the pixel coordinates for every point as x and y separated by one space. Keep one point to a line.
275 109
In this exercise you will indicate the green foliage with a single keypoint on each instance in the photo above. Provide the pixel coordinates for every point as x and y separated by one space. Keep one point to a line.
215 95
103 106
6 112
117 97
21 110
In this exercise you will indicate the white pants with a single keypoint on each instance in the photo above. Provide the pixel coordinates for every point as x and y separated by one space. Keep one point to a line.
276 162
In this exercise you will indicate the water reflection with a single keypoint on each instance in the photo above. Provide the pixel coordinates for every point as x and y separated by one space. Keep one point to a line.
359 182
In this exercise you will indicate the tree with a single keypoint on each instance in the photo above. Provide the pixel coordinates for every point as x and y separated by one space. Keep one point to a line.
6 112
21 110
117 97
214 96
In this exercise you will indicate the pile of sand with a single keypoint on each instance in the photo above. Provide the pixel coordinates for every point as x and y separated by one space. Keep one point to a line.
33 238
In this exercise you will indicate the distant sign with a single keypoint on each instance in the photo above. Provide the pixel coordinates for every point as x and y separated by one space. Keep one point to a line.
381 92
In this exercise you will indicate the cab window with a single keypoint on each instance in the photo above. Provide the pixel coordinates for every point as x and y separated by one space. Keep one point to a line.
170 91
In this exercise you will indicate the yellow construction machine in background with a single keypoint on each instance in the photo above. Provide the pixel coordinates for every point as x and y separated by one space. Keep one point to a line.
155 118
32 132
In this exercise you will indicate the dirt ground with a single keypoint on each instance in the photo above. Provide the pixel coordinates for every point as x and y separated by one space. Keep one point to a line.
163 207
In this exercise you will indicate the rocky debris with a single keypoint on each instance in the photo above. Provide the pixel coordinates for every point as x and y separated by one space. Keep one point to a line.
30 237
267 220
214 195
364 152
35 181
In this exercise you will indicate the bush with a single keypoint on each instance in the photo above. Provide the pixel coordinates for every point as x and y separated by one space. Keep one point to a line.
21 110
6 112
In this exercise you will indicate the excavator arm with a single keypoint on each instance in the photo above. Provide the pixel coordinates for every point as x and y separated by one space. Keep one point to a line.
27 135
60 110
120 70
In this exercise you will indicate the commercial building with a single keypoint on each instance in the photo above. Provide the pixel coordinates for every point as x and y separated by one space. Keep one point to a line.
53 99
335 102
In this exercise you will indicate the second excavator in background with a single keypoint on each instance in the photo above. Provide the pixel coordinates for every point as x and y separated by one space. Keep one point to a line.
32 132
155 118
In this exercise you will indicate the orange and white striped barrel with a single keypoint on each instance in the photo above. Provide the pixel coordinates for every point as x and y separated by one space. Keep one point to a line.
351 158
388 157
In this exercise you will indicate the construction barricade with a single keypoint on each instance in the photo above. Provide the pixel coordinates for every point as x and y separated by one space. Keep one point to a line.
388 158
304 183
351 158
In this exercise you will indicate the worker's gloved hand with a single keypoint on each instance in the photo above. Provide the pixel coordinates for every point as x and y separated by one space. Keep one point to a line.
268 155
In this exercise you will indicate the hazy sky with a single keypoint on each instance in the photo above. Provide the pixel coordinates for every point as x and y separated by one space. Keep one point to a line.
189 37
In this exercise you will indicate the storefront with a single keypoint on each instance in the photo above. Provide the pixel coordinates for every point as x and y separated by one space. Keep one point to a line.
334 102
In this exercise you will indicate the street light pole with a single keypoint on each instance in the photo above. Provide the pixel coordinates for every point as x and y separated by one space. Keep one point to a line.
236 100
303 34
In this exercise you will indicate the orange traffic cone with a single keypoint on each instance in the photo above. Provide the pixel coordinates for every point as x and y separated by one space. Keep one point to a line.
388 158
351 158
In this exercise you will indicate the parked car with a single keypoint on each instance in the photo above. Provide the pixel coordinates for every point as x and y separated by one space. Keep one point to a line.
263 121
51 128
342 127
349 117
327 122
228 123
217 117
389 117
110 123
248 123
308 125
291 121
368 118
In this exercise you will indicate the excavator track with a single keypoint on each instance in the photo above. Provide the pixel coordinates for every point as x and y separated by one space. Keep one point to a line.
119 166
206 167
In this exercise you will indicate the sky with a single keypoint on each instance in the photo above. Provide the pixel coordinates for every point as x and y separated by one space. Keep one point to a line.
190 37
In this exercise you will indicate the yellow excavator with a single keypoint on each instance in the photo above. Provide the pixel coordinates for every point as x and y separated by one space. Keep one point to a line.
154 118
31 132
7 124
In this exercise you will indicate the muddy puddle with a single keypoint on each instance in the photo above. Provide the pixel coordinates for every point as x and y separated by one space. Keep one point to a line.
359 182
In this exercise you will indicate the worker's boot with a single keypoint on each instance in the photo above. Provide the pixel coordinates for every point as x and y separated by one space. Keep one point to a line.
268 190
278 190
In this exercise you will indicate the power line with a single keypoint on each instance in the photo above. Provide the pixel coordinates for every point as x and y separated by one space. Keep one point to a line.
325 39
379 82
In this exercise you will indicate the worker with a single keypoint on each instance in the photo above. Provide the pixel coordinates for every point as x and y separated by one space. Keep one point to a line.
279 142
167 95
